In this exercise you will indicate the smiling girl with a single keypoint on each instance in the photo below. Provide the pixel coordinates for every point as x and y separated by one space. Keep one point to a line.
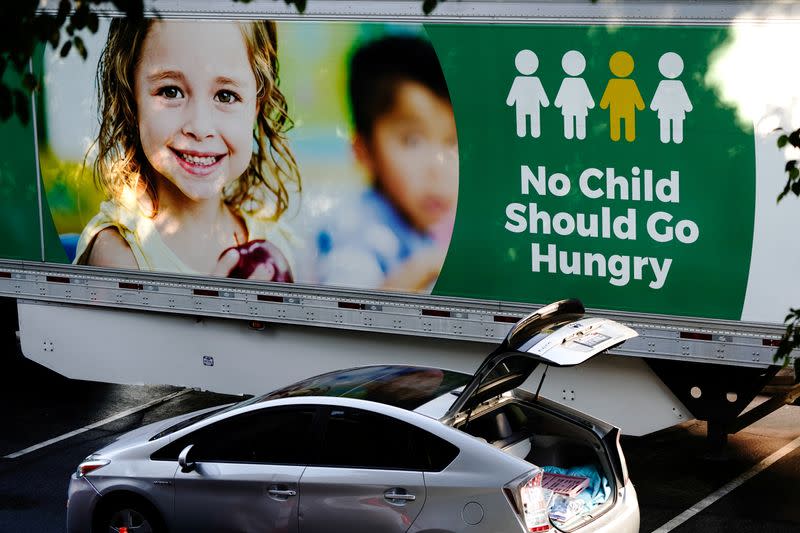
191 150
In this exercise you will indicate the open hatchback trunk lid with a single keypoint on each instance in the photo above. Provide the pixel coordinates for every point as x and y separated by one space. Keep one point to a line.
557 335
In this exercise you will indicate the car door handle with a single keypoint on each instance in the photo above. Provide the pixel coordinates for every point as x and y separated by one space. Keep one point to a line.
282 493
393 495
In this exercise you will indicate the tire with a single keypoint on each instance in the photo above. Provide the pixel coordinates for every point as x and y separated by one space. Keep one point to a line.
130 515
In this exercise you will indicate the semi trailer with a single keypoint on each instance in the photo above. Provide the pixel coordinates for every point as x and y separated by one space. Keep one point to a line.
622 153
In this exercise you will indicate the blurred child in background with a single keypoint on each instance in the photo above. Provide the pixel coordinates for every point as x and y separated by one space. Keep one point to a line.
395 234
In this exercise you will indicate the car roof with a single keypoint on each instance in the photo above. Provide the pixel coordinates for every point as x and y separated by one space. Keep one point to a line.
420 420
406 386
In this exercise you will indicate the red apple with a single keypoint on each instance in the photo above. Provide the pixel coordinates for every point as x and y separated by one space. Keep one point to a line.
260 252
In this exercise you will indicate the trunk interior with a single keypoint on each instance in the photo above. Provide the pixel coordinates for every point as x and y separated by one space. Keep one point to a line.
558 446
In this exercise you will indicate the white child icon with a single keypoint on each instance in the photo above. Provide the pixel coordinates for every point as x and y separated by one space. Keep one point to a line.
671 100
574 97
527 93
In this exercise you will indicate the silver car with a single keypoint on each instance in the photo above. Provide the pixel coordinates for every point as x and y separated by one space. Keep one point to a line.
381 449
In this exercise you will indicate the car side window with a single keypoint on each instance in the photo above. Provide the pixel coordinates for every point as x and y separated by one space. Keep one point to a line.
268 436
436 453
356 438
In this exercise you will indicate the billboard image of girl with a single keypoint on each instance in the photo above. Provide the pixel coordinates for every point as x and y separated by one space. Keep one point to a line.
192 156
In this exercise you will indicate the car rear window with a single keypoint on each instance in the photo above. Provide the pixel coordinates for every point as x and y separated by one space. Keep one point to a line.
354 438
407 387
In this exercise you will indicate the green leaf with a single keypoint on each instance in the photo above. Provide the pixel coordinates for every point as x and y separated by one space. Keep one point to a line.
81 16
790 165
794 173
300 5
133 9
796 188
782 140
429 5
66 48
30 82
794 138
55 38
80 46
93 23
63 10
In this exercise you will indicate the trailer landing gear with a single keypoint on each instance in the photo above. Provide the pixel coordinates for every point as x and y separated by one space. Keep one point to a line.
719 394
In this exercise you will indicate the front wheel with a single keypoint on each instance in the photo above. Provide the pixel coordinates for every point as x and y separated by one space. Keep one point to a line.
129 517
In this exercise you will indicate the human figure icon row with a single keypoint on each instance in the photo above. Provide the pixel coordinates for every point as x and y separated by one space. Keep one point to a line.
621 97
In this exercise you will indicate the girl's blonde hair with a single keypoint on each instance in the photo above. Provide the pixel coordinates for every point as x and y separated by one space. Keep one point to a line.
121 165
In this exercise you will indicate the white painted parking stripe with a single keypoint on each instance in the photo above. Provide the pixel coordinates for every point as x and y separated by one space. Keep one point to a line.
103 422
728 487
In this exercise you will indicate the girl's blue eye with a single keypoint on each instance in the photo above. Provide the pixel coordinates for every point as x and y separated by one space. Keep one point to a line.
170 92
227 97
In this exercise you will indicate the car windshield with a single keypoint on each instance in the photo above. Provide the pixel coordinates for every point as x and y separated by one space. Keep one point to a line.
187 422
407 387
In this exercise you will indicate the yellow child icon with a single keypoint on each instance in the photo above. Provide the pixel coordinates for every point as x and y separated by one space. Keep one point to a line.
622 96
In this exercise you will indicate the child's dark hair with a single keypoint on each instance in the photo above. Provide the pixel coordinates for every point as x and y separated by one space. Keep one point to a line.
377 68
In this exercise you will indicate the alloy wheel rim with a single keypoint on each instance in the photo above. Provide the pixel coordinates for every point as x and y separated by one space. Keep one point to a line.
129 521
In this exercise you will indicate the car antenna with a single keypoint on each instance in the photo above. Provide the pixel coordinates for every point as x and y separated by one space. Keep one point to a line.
541 382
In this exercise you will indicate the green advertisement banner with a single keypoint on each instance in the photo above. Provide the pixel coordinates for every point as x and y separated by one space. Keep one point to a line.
19 202
633 167
594 199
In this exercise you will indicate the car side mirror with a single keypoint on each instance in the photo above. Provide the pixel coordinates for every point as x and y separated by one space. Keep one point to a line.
186 464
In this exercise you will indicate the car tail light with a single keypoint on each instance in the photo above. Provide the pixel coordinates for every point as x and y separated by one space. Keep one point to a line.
526 496
90 464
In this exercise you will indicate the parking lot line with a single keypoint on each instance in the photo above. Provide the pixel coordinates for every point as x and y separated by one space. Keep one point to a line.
103 422
728 487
